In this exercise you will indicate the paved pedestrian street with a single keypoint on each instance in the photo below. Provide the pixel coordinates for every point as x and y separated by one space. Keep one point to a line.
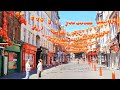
74 70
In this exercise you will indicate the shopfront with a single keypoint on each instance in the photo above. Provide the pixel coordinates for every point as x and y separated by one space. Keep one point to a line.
91 56
44 55
49 58
28 52
11 59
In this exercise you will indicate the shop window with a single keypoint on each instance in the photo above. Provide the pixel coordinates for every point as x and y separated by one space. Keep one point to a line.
31 60
26 56
12 63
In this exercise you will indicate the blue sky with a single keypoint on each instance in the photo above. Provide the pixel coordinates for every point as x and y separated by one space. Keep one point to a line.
81 16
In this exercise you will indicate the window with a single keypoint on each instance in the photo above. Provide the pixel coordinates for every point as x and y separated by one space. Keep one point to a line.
13 34
17 33
33 23
12 62
28 36
24 35
44 30
32 39
44 43
38 25
26 56
38 13
25 14
46 20
29 14
113 28
103 40
41 15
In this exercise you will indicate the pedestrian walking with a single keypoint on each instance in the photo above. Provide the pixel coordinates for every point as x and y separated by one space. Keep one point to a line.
39 68
28 68
78 61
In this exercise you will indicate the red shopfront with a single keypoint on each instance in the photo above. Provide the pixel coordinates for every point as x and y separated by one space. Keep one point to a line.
29 52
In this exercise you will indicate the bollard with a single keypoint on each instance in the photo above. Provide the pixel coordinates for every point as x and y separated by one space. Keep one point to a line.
94 67
113 75
100 71
92 64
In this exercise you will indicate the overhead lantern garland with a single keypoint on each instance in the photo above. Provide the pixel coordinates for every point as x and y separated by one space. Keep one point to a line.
3 31
78 23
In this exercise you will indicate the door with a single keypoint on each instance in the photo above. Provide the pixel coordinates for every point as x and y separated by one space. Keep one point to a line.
5 65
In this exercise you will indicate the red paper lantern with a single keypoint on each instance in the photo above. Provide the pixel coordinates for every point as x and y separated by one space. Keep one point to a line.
66 25
41 28
4 14
36 29
73 23
11 13
80 23
33 28
18 14
21 20
1 32
4 26
32 18
37 18
4 20
56 22
85 23
90 29
41 19
25 22
77 23
49 21
22 14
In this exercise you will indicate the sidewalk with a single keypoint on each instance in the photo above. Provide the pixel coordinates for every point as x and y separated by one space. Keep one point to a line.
106 72
46 72
23 74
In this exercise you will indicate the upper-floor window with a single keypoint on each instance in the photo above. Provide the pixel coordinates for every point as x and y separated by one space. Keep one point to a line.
24 35
25 14
29 36
38 13
29 15
38 25
32 39
33 23
46 20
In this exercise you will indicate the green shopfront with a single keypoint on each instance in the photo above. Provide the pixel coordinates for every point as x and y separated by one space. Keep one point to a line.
11 60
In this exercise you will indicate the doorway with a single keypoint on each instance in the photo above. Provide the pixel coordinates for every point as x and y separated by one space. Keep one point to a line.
5 65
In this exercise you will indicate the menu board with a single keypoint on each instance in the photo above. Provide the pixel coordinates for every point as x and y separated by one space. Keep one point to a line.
12 60
12 65
10 56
